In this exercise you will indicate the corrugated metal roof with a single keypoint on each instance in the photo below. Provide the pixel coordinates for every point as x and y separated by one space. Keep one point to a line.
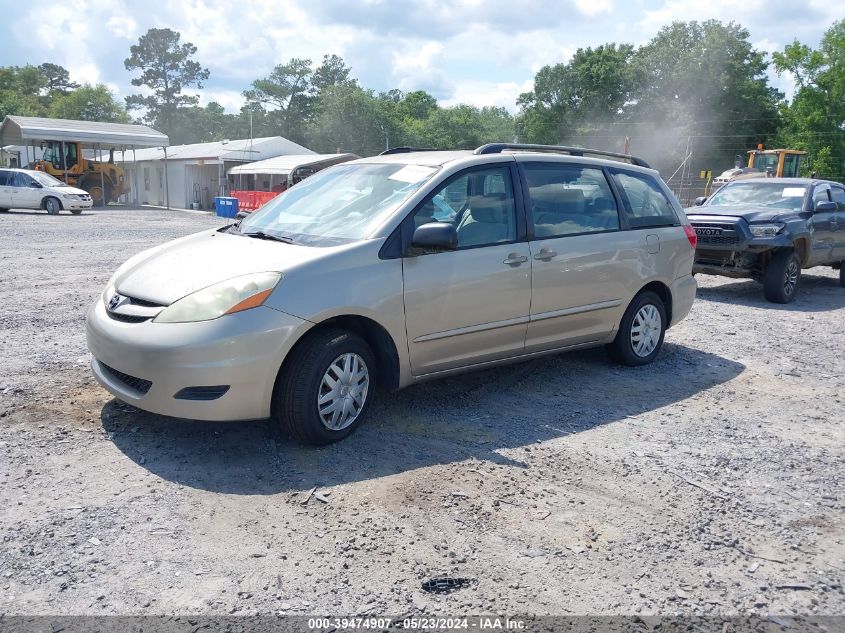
21 130
238 149
286 164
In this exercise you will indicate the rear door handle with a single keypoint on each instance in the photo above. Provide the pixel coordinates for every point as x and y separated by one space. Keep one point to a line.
515 259
545 254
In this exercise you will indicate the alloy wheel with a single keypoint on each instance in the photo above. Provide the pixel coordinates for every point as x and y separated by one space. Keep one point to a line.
790 279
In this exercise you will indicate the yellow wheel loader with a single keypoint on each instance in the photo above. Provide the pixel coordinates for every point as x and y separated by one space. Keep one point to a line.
65 161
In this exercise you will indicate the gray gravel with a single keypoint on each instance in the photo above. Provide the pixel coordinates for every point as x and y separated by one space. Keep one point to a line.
711 482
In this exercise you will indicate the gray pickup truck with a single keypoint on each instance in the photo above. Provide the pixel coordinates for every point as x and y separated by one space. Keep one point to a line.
769 229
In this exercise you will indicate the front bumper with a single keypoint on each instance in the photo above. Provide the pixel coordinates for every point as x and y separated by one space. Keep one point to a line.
242 350
727 247
77 204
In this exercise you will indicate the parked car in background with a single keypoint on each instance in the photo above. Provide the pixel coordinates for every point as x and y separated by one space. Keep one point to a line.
770 229
392 270
30 189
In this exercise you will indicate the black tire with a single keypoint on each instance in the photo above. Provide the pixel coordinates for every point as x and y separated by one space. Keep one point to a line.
76 211
52 205
782 277
842 274
622 350
92 184
300 382
4 210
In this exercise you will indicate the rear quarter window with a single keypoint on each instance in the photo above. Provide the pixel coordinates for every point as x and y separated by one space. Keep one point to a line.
643 201
4 178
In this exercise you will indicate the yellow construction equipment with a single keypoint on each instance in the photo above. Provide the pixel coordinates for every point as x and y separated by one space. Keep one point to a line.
774 163
65 161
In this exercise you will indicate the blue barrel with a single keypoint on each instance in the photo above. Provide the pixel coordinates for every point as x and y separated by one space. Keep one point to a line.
226 207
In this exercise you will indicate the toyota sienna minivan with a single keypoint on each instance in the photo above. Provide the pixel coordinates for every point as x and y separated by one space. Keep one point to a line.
392 270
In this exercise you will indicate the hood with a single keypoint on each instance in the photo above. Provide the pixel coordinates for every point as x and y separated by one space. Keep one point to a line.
750 214
74 190
176 269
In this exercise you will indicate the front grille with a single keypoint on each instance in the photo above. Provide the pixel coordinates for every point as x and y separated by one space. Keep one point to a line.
138 384
718 239
143 302
127 318
135 318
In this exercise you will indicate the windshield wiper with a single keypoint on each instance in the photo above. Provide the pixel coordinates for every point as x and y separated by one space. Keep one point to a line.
261 235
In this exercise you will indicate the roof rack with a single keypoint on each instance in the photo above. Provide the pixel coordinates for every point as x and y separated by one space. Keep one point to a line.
497 148
406 150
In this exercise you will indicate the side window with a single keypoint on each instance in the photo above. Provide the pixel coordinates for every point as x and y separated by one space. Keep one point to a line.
20 179
820 194
4 178
836 193
645 203
569 200
480 205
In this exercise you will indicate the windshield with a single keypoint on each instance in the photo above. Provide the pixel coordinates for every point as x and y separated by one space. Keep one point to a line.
46 179
339 204
760 194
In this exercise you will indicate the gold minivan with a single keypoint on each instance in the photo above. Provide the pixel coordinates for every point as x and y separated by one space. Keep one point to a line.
392 270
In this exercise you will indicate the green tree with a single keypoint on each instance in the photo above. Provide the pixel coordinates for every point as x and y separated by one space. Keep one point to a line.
815 118
19 90
333 71
287 95
57 79
88 103
167 68
579 96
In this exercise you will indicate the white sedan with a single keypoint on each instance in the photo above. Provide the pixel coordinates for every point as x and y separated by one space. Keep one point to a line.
28 189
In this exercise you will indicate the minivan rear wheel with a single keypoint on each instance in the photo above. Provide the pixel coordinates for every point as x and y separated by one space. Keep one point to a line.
641 331
325 387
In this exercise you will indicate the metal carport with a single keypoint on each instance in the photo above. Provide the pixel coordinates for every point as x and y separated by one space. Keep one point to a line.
31 131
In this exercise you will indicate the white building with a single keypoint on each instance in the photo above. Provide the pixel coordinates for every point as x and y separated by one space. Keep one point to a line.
181 175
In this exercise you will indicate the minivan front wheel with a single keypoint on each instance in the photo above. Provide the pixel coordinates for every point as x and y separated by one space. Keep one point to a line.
641 331
52 205
325 387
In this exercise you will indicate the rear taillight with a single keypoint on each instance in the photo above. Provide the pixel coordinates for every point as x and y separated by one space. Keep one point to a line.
691 236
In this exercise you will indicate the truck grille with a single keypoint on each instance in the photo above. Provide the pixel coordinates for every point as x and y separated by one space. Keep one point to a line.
138 384
716 233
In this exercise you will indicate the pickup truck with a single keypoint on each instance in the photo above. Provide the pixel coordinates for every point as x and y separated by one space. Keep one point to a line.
770 229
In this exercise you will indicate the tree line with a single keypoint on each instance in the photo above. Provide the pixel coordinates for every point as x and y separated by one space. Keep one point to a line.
696 90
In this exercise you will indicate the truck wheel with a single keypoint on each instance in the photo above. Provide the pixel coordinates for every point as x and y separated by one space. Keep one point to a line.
781 277
325 388
53 206
842 274
4 210
641 331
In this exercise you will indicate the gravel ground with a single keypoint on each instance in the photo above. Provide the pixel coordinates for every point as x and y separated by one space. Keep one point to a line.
711 482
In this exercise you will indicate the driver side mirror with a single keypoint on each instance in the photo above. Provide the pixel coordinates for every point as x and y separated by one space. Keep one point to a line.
700 200
435 236
826 205
36 185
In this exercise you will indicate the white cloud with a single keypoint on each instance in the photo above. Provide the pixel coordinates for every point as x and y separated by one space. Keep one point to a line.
122 26
482 94
594 7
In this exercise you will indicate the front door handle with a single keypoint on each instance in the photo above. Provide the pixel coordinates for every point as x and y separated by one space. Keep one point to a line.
545 254
515 259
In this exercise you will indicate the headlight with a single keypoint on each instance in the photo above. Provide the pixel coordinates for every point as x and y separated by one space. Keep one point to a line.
70 196
226 297
765 230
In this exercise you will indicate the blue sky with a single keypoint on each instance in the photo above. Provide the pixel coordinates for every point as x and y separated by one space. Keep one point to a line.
483 52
